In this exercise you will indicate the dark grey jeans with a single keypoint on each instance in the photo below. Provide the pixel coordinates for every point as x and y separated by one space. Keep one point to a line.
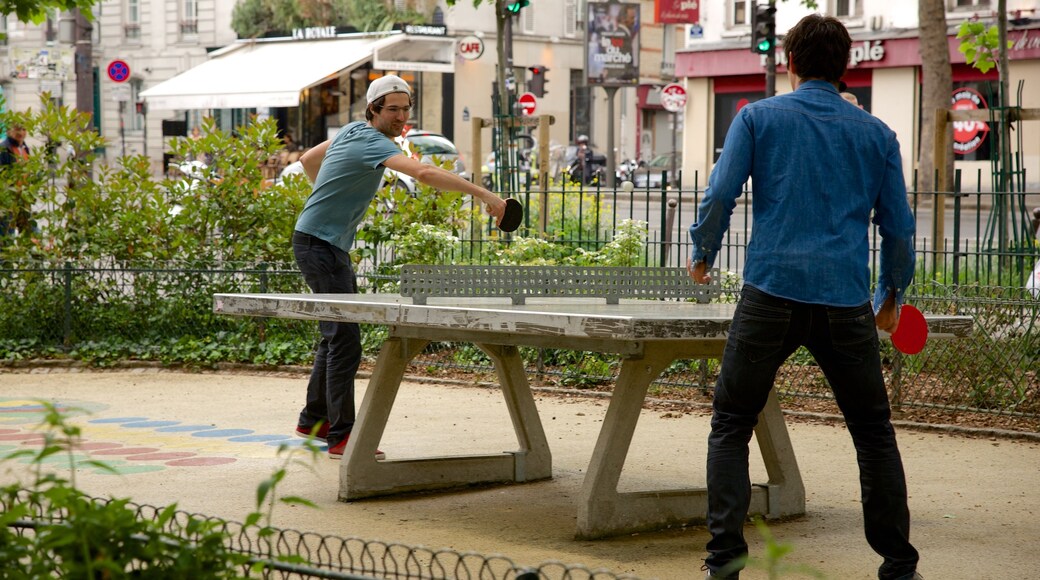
330 391
765 331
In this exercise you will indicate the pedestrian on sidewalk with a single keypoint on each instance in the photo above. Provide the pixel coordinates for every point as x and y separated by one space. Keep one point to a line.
13 149
820 170
347 172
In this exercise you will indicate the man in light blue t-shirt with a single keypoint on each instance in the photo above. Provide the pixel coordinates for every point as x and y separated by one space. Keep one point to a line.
347 171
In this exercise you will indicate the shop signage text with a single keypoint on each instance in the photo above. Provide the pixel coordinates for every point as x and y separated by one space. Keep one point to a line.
1025 42
866 51
314 32
470 47
677 11
426 29
968 135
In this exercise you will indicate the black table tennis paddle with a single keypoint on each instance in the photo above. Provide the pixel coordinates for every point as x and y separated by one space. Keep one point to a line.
513 216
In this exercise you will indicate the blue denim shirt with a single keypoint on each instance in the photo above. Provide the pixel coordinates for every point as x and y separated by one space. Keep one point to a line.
819 168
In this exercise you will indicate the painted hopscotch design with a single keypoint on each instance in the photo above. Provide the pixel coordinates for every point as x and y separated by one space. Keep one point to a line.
133 444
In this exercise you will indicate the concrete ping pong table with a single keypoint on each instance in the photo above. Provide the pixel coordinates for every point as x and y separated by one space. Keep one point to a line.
648 335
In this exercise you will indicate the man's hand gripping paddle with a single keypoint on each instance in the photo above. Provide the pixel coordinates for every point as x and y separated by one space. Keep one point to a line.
911 332
513 216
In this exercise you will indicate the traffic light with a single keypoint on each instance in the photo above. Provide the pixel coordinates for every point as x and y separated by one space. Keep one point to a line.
514 6
763 29
537 83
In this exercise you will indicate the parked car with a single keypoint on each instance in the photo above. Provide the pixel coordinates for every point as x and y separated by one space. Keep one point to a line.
427 146
652 174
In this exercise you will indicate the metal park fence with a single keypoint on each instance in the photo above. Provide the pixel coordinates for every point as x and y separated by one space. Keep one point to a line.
103 312
292 554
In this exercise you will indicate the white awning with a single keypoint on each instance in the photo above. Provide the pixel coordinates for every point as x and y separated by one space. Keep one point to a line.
264 73
417 53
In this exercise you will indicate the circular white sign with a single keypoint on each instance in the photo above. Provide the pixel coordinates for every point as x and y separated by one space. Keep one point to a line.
470 47
673 97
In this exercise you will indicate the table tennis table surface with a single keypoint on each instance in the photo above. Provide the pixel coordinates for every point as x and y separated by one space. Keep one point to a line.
631 319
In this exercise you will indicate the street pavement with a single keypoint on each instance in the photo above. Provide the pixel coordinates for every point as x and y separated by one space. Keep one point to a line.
205 441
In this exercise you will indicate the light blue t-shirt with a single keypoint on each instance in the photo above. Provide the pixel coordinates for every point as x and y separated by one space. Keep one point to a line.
347 182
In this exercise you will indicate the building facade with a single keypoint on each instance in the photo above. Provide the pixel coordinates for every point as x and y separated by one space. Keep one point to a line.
722 75
159 41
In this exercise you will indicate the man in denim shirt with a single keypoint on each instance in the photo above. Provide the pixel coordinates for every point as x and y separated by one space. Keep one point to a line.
820 167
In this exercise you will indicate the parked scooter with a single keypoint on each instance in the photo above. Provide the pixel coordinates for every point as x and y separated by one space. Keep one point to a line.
625 169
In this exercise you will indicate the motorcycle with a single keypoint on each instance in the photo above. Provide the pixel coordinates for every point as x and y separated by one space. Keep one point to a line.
594 171
625 170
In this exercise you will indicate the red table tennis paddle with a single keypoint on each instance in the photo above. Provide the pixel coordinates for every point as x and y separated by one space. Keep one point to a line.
911 332
514 215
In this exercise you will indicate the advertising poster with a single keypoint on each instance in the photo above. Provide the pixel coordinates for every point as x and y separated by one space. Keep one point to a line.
612 41
42 63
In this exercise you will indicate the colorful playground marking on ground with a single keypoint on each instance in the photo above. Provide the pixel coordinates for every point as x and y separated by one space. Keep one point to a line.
131 444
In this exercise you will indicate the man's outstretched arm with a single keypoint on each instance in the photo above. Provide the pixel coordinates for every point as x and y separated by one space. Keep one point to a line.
445 180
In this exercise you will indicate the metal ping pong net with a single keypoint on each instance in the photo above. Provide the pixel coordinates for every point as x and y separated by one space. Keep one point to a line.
518 283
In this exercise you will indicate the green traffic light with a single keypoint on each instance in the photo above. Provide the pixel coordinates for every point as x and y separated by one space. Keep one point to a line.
764 46
514 7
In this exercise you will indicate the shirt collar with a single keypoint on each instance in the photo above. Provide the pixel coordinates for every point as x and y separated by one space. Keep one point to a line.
817 84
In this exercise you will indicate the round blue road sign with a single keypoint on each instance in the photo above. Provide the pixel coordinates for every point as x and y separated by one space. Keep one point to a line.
118 71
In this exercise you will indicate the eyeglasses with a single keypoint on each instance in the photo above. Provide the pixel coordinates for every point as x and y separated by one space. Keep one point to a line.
397 110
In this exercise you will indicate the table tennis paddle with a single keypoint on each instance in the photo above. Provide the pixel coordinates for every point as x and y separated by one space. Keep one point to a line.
513 216
911 332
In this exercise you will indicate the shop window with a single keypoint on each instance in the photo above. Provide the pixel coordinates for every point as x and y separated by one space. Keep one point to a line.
740 12
727 105
132 21
967 4
189 19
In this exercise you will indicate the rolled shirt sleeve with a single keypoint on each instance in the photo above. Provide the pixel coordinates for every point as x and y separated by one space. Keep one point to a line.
724 187
896 225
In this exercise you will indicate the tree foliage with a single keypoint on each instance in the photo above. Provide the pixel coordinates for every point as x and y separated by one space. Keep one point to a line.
36 11
980 44
256 18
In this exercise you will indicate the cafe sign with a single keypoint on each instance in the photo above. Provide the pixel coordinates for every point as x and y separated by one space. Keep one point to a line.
968 135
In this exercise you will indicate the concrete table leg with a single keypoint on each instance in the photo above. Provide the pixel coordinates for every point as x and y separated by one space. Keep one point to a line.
786 492
361 475
533 460
603 511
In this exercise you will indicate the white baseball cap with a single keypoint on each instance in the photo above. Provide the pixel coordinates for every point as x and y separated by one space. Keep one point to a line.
386 85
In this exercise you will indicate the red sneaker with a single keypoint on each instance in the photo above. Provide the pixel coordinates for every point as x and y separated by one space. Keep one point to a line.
321 434
336 451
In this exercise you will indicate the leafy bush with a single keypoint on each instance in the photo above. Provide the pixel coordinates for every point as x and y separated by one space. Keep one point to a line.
86 211
76 536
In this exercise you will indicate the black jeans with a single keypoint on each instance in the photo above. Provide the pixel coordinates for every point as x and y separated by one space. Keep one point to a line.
330 391
765 331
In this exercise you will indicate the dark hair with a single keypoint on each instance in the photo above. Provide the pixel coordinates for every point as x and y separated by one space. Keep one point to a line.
376 105
820 45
